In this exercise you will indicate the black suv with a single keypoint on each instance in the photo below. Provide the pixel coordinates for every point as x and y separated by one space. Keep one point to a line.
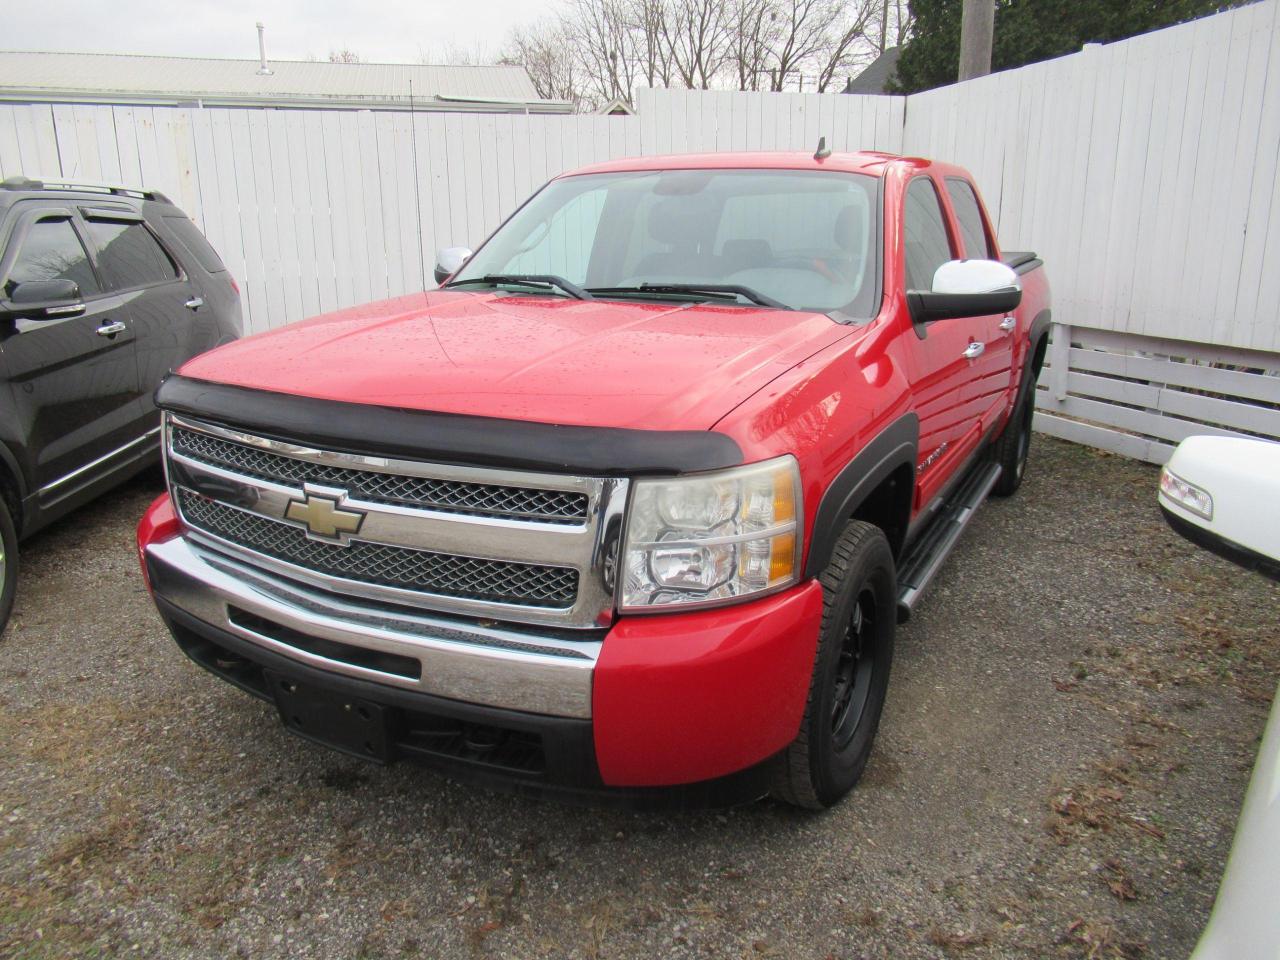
102 291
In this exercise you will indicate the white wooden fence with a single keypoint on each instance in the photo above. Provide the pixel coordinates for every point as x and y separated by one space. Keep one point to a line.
1146 175
1144 172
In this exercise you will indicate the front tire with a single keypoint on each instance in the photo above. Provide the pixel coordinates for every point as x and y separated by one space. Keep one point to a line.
850 672
8 563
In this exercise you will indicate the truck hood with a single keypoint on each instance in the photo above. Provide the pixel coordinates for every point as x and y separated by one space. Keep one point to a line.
657 366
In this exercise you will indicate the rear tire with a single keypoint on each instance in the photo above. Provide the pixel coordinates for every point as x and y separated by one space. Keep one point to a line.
8 563
850 672
1013 447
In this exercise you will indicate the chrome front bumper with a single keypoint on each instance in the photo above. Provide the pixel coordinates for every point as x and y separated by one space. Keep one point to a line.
466 661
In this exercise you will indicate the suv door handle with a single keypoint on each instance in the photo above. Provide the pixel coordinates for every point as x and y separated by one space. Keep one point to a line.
974 350
1008 323
112 328
195 303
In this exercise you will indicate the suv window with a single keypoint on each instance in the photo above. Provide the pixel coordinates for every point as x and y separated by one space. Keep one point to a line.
965 203
129 255
52 251
927 244
191 238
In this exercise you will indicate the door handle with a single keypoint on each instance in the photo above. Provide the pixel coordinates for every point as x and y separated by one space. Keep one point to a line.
195 303
974 350
1008 323
112 328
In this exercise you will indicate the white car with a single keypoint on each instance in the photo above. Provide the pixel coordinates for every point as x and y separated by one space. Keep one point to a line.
1223 493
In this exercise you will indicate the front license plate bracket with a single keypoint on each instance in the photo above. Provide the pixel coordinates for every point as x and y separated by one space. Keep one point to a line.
349 724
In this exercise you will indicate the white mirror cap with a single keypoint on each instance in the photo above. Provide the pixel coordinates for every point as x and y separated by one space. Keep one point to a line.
450 260
974 276
1243 478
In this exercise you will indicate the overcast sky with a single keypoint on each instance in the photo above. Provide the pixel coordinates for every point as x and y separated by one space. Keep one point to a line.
391 31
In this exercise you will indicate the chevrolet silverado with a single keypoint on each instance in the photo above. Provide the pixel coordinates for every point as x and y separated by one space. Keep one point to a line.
632 505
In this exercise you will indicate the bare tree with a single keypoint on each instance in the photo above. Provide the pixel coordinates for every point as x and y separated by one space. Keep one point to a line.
849 42
604 38
595 51
752 24
649 23
343 56
903 19
697 37
455 54
545 51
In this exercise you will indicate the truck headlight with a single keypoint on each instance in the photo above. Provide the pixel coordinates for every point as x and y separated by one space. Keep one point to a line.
1186 495
712 538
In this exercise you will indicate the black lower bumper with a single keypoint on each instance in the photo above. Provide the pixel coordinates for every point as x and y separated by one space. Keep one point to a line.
1242 556
504 749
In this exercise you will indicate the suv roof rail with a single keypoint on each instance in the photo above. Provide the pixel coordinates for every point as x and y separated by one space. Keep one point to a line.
87 186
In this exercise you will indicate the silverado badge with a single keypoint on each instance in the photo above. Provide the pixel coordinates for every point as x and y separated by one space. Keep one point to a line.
323 517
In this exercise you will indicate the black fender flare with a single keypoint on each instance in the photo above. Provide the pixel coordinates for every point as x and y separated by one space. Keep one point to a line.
893 447
1039 331
9 463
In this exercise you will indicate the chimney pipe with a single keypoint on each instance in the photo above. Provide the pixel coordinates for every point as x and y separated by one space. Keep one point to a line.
263 69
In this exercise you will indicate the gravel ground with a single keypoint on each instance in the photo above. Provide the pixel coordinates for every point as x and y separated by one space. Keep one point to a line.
1071 723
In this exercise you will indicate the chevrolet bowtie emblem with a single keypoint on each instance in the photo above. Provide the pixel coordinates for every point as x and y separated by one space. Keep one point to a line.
323 518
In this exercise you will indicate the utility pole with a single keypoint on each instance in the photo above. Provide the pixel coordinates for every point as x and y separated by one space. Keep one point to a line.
977 24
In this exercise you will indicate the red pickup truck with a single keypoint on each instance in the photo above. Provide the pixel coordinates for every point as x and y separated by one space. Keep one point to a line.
633 503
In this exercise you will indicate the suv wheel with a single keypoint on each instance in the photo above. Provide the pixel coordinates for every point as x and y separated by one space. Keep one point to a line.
8 562
850 672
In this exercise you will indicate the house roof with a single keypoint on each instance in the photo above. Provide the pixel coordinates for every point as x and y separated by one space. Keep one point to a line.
616 107
875 78
100 77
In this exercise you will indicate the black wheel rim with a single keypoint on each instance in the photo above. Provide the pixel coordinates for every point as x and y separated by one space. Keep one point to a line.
853 670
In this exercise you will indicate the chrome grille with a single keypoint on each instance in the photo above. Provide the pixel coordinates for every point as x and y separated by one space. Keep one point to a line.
496 581
450 496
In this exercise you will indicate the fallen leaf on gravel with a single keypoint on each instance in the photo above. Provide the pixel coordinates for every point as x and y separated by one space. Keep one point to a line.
1119 883
949 940
1099 940
1145 827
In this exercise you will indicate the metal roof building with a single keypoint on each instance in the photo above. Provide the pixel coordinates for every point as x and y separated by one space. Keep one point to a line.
119 78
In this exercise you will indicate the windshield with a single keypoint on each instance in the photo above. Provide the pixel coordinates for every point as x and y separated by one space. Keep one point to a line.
799 239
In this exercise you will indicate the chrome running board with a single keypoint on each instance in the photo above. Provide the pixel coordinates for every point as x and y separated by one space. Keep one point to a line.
924 559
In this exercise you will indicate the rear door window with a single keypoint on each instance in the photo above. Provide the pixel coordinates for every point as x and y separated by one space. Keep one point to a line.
977 245
128 255
52 250
927 244
189 236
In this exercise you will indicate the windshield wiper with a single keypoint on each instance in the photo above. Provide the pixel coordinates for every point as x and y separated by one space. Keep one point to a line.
712 291
543 281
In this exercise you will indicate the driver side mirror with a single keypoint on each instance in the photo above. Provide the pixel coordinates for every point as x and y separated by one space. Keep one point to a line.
43 299
449 261
966 288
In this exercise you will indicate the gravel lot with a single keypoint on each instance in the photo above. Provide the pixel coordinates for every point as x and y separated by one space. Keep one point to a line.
1071 724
